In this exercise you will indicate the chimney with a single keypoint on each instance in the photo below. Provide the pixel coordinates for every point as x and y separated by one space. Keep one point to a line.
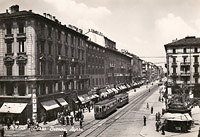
14 8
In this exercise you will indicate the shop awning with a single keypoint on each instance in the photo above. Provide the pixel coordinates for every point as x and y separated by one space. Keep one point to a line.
115 90
109 91
15 108
84 98
177 117
49 105
62 101
94 96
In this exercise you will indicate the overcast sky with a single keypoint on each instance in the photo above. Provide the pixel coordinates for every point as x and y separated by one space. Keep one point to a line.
140 26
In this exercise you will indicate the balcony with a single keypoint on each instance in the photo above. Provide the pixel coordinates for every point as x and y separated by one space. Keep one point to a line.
174 64
122 67
196 64
71 77
9 37
82 77
62 59
185 64
74 60
185 74
174 75
196 75
21 36
112 65
9 54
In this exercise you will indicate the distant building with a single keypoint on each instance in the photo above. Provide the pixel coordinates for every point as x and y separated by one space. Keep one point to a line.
183 62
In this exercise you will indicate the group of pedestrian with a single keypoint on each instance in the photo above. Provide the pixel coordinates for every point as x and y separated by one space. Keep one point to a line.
159 126
65 119
69 119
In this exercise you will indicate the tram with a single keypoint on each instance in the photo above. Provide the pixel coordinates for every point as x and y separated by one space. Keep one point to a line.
122 99
104 108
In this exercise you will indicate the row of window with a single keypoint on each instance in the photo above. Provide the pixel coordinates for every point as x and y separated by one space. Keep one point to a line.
80 52
21 47
184 50
69 38
20 28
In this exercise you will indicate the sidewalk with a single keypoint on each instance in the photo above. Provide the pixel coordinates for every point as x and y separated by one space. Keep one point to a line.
150 130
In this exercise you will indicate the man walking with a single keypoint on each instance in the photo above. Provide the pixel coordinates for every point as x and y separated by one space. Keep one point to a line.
151 109
144 121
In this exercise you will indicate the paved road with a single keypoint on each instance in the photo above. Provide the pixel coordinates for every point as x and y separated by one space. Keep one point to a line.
128 122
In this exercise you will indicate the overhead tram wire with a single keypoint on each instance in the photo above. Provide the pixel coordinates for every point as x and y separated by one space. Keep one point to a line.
152 56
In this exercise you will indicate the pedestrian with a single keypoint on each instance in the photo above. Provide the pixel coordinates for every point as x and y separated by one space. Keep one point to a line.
156 116
67 119
82 116
44 119
163 111
199 132
71 120
89 108
151 109
64 134
28 123
163 129
159 116
134 90
81 124
144 121
2 131
147 105
157 126
8 123
162 99
17 123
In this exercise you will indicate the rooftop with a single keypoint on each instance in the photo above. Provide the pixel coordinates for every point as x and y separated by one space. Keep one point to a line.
187 41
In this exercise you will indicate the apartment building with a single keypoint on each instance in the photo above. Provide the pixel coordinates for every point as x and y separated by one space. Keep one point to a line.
42 64
183 63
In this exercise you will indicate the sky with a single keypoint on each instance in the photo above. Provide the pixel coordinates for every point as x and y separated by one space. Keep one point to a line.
141 27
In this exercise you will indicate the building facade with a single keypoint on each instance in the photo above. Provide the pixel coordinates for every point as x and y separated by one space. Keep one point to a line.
43 58
183 63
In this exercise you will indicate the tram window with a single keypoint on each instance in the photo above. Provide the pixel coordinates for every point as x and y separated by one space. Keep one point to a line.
103 108
97 109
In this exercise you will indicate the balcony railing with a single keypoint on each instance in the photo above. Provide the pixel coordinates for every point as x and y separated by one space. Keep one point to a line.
83 76
74 60
174 64
26 78
112 65
9 54
196 75
185 64
21 36
174 75
185 74
9 37
196 64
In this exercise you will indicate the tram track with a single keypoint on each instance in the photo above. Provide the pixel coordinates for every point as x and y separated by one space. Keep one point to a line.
96 127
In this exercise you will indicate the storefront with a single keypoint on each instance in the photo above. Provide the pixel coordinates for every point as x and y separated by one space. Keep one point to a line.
13 112
50 110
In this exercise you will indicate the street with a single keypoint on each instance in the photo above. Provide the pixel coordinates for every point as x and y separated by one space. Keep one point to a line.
125 119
